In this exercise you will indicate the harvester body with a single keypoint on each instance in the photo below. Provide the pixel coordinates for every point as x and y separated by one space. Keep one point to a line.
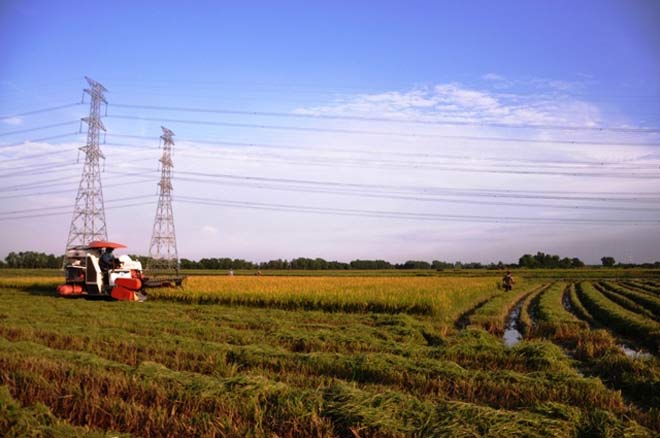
84 276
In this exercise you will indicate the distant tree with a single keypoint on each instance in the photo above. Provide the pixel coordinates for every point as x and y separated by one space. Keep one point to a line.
549 261
437 264
187 264
371 264
32 259
527 261
608 262
414 264
577 263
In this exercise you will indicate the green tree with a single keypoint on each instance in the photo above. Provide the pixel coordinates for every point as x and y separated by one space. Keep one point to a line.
608 262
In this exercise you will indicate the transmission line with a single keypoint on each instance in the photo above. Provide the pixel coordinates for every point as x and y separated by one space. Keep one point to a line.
68 206
36 140
39 155
403 215
381 133
38 128
389 188
509 169
375 195
41 110
33 216
21 171
391 120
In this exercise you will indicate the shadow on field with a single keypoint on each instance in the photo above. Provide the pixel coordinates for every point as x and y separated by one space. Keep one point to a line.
39 290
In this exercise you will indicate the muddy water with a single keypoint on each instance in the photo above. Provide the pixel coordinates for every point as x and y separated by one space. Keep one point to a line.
566 301
511 333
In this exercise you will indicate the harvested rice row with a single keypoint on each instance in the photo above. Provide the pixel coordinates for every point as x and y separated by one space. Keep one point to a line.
552 318
151 400
623 301
630 324
644 299
428 377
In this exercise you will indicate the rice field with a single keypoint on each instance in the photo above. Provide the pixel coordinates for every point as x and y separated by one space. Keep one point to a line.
333 356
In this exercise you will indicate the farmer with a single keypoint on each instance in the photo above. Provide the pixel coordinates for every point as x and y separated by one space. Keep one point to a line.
106 263
508 281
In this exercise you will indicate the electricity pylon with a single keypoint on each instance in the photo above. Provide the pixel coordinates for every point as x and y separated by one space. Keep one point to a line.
88 221
163 254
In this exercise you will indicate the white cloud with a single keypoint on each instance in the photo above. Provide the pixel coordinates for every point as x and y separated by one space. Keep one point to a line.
13 121
209 229
492 77
453 102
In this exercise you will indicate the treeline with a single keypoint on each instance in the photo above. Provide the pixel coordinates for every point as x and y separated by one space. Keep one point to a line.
322 264
32 259
541 260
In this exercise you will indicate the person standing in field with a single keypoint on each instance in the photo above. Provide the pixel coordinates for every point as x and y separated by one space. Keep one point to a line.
508 281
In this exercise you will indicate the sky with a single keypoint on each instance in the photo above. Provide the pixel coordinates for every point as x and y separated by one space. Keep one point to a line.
472 131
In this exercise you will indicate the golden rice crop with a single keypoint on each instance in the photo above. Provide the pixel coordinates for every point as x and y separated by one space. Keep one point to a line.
440 296
25 281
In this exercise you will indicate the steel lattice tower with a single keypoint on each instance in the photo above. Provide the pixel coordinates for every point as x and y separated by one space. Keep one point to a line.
162 250
88 221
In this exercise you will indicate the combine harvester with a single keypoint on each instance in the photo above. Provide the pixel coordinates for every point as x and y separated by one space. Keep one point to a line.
123 280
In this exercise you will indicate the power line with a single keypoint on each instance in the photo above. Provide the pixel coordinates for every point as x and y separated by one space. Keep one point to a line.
68 206
328 162
69 212
36 140
597 196
38 128
41 110
376 195
384 133
43 154
344 90
52 192
508 169
404 215
20 171
37 183
510 162
392 120
500 171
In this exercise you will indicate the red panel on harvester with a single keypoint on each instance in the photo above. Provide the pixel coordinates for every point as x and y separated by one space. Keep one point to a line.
122 294
129 283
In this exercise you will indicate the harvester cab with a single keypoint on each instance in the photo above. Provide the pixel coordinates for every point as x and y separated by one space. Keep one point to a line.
92 270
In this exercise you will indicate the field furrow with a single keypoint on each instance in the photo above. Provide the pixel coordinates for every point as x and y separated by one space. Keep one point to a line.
492 315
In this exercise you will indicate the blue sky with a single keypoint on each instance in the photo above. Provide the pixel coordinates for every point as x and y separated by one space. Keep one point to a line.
577 64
